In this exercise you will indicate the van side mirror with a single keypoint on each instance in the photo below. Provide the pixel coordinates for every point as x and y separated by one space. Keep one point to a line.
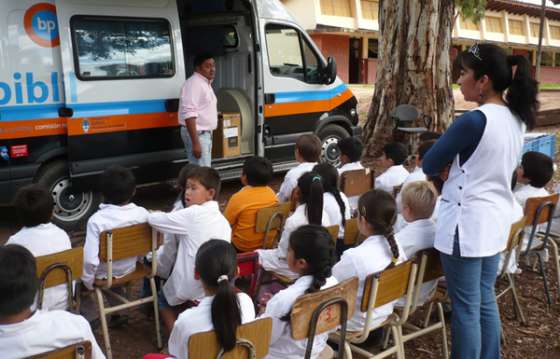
329 71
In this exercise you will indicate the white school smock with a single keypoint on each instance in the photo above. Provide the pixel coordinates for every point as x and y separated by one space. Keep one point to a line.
333 210
372 256
291 179
109 216
282 345
392 177
351 166
167 252
42 240
45 331
523 192
274 260
416 236
193 226
199 319
477 199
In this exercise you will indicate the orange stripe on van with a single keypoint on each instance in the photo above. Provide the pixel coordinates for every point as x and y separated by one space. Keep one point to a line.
295 108
120 123
32 128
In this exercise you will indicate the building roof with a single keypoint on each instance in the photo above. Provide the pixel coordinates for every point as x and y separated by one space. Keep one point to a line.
522 8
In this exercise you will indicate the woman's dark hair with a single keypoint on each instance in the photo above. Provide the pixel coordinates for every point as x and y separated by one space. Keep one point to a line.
522 89
329 174
216 263
18 279
380 211
34 205
311 191
314 244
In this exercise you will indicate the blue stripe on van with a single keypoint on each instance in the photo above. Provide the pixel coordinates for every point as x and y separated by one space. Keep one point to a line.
301 96
36 112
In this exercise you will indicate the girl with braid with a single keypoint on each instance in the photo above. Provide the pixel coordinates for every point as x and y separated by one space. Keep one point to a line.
311 254
335 202
376 216
309 211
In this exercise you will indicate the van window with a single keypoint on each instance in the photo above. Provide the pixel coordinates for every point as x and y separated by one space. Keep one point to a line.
121 48
290 55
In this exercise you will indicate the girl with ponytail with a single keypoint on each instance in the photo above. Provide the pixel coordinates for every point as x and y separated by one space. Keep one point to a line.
311 255
377 212
223 309
309 211
335 202
475 158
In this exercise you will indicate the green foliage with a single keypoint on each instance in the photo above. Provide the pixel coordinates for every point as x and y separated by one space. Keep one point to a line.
471 9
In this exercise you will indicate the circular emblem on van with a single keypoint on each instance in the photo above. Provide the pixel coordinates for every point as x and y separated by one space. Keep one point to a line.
41 25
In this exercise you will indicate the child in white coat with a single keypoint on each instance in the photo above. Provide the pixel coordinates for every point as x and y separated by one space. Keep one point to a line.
194 225
34 207
223 308
380 250
309 211
392 159
350 154
533 174
311 255
24 332
307 153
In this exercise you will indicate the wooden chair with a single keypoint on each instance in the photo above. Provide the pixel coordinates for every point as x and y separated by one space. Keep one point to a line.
270 221
352 235
323 311
397 190
253 340
60 268
380 289
81 350
357 182
539 210
513 244
121 243
429 269
333 231
248 264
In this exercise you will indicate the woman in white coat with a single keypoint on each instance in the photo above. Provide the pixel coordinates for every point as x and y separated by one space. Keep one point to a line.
482 148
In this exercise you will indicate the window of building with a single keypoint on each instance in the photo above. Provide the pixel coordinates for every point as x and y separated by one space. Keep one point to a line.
121 48
554 32
370 9
494 24
516 27
336 8
373 48
535 29
290 55
547 59
469 24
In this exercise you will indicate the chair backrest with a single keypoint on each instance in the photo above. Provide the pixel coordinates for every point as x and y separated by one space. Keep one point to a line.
131 241
59 268
270 221
81 350
539 210
429 269
352 235
333 231
514 239
357 182
329 319
391 284
248 264
255 334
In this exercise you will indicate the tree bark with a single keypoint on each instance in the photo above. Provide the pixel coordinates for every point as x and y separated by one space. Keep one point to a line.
414 67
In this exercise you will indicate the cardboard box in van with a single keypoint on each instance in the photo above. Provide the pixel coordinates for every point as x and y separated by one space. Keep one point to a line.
226 142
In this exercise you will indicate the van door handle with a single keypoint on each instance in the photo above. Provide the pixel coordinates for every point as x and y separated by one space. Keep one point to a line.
269 98
65 112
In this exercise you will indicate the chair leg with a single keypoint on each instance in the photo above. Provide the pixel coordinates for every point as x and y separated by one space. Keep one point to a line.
443 331
428 315
156 313
386 337
516 304
556 256
104 326
397 337
545 281
347 350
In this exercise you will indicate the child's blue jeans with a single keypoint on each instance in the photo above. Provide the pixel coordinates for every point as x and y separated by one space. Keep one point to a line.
475 320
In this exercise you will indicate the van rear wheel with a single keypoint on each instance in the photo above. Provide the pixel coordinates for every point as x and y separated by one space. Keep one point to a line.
330 135
71 208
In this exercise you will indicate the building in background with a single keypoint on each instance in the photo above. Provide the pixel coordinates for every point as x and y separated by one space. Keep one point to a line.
348 30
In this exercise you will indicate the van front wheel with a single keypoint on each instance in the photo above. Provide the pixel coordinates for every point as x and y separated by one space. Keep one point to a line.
330 135
71 208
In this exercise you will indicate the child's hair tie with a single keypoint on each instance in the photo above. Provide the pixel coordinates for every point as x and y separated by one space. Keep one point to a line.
394 260
316 178
222 278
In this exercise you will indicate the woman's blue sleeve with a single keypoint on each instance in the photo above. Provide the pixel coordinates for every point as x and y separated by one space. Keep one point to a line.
461 138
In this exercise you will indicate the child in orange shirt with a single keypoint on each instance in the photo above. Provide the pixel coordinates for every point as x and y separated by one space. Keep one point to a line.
241 210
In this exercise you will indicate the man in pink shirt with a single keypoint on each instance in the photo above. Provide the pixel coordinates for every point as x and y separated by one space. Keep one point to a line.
198 112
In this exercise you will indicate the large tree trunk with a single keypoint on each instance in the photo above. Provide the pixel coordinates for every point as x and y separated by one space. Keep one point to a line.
414 67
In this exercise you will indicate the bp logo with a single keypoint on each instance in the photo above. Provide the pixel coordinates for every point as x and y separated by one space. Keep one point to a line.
41 26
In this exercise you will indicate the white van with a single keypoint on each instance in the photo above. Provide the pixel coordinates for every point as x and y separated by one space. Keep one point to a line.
85 84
